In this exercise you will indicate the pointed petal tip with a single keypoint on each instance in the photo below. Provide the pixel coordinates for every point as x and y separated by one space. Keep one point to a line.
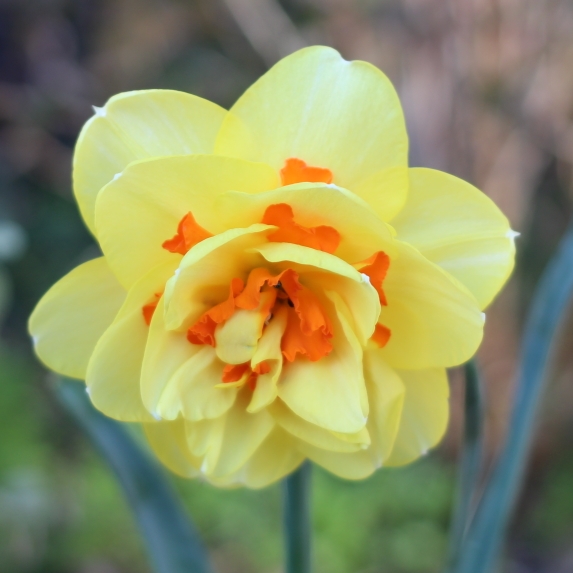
99 111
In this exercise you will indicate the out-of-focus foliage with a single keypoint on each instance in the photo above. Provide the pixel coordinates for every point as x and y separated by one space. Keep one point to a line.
487 87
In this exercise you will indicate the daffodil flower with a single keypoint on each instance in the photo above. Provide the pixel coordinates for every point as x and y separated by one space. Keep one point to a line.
276 283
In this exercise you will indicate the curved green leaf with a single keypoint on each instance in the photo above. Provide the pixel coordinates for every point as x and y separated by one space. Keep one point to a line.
171 540
487 530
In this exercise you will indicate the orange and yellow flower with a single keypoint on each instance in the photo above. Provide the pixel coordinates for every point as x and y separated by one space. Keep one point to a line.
276 283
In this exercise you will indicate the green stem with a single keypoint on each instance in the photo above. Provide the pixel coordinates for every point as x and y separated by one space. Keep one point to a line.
470 463
297 520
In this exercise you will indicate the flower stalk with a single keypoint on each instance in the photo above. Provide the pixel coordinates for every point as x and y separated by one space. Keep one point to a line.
297 522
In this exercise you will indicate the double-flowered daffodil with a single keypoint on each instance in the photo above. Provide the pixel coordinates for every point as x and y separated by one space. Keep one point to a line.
276 284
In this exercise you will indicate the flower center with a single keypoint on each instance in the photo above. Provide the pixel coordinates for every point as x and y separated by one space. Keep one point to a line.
297 171
235 326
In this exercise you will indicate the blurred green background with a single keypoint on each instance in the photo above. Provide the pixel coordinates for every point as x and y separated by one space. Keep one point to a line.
487 88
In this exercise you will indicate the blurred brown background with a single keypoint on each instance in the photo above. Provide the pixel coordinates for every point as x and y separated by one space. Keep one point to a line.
487 89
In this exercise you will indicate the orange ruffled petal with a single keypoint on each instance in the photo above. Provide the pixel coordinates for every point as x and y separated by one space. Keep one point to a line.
381 335
297 171
189 233
322 238
376 269
314 345
235 372
148 310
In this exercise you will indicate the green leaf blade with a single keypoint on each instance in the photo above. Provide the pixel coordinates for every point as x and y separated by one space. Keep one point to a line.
172 541
487 530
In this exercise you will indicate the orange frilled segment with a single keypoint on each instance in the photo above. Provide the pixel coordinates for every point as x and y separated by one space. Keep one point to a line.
235 372
322 238
203 331
148 310
189 233
297 171
314 345
376 268
381 335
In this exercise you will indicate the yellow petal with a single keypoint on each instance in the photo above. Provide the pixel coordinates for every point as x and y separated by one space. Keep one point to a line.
329 393
386 398
354 465
435 321
168 440
310 433
114 370
237 338
242 434
269 351
197 385
71 317
362 232
204 439
275 458
206 271
166 351
331 113
142 208
424 417
137 125
456 226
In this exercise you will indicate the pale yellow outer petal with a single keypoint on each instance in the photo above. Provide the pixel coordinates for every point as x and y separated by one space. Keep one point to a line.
362 232
275 458
138 125
331 113
435 321
71 317
165 353
424 417
141 209
386 393
456 226
114 370
168 440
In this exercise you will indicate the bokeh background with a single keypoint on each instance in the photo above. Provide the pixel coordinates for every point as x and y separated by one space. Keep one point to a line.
487 88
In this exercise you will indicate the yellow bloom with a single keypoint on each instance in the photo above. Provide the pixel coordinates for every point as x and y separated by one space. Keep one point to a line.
276 284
